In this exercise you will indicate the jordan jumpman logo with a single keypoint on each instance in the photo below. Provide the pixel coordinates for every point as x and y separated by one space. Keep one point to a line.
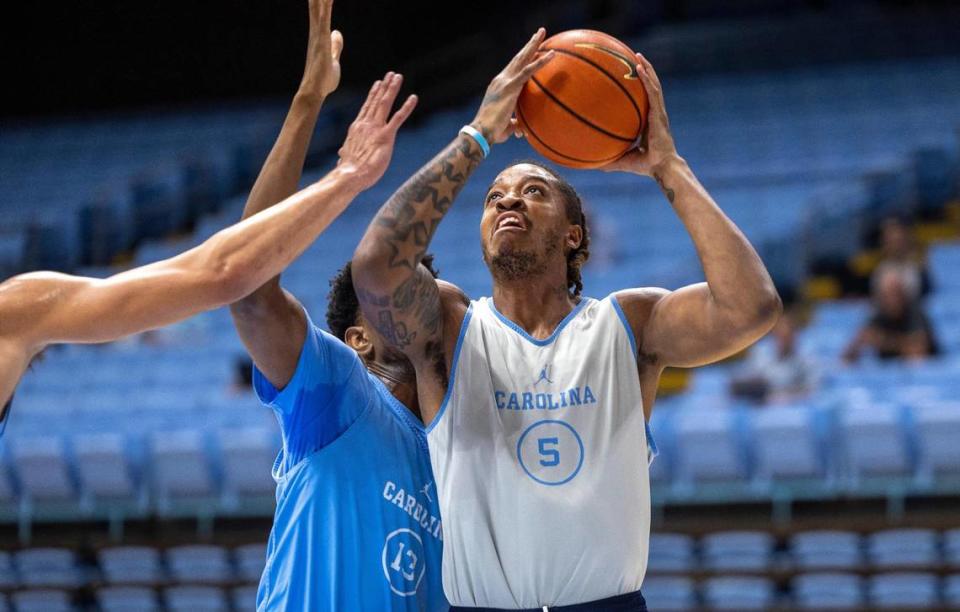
544 375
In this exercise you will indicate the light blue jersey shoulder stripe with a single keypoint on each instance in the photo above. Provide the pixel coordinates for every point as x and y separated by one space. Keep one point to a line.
453 369
523 334
651 445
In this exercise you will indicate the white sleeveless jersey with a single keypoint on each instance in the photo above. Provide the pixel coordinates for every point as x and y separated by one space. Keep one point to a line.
540 453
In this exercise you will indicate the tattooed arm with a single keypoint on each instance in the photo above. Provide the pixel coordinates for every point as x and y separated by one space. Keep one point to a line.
398 296
737 305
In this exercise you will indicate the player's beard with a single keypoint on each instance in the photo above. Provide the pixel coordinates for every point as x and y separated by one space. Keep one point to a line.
511 264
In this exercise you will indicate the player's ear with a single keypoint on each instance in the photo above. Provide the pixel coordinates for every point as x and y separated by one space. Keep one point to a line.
356 338
574 236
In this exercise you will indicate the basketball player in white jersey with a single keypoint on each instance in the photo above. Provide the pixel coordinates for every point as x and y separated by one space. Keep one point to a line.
537 398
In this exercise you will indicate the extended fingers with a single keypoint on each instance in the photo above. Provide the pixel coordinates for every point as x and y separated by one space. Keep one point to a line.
388 94
536 65
369 102
647 71
527 52
403 113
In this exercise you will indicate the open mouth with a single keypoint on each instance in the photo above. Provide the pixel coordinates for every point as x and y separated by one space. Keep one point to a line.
510 222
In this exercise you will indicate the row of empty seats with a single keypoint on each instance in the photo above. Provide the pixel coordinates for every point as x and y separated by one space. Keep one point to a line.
136 599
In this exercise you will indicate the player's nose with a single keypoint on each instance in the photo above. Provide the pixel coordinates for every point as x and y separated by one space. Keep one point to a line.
509 202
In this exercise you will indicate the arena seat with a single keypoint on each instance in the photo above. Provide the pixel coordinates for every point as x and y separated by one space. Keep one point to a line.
250 560
951 590
875 442
708 447
731 551
180 465
785 445
102 466
669 593
738 593
41 465
42 600
903 548
671 552
244 598
49 567
8 574
123 565
199 564
827 591
248 455
938 429
195 599
826 549
127 599
904 590
951 547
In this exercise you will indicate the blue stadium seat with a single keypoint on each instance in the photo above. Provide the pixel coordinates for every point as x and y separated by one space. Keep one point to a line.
731 551
126 565
8 574
248 455
875 442
42 467
102 466
250 561
127 599
244 598
180 465
785 445
951 591
824 591
49 567
938 429
195 599
669 593
906 590
951 547
708 447
896 548
739 593
199 564
826 549
671 552
42 600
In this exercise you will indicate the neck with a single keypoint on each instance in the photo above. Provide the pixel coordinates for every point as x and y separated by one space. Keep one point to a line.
401 384
537 305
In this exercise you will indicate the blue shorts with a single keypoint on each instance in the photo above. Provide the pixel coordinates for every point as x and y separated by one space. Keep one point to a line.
628 602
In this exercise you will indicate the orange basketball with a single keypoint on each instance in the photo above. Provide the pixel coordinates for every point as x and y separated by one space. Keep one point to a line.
587 106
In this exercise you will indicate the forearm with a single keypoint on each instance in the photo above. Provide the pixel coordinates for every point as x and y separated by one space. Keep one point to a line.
398 237
737 279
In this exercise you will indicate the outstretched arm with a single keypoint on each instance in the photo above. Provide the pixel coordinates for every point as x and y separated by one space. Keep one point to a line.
398 295
738 304
270 321
45 308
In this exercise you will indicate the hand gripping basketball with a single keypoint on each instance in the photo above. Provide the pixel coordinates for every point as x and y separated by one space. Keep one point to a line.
495 117
656 145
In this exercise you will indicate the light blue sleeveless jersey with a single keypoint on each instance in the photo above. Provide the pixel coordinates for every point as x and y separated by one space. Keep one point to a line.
357 525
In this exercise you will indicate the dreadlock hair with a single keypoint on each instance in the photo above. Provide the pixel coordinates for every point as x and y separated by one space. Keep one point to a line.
343 308
573 206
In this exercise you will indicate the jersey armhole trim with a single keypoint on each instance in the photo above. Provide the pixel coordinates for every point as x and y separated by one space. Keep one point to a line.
453 369
626 324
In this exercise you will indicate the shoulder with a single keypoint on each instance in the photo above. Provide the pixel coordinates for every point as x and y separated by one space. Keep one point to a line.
454 303
638 304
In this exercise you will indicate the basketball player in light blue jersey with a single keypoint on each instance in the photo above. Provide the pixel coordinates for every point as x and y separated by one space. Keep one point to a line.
357 524
537 398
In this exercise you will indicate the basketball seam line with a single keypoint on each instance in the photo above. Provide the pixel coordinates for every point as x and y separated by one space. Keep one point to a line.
578 116
533 133
612 78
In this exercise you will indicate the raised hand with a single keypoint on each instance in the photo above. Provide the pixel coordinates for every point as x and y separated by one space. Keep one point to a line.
370 139
321 76
656 145
494 119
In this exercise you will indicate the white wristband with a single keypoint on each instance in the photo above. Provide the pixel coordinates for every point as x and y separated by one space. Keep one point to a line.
474 133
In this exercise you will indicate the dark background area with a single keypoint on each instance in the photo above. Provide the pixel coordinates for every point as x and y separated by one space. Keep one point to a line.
81 57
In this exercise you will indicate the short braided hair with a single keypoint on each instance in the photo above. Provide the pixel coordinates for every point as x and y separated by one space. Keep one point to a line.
573 206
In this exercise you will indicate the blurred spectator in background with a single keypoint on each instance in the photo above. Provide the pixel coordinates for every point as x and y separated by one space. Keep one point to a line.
898 329
899 254
775 370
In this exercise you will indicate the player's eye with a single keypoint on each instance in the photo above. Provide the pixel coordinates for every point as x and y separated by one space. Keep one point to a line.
494 197
533 189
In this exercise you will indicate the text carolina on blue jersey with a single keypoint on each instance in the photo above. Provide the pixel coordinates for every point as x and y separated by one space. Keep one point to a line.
357 524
